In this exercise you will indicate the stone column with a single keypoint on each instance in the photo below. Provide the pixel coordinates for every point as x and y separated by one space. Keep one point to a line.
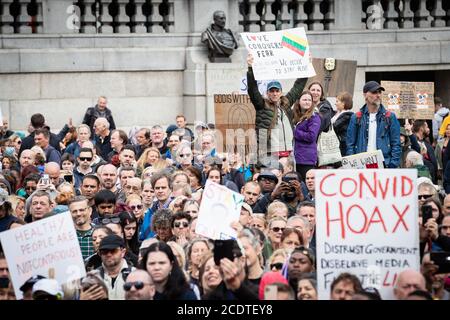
347 14
56 17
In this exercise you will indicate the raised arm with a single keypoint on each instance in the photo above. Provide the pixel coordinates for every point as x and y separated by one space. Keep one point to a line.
252 86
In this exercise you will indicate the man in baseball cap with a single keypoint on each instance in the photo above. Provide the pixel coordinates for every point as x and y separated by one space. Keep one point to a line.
47 289
372 86
374 127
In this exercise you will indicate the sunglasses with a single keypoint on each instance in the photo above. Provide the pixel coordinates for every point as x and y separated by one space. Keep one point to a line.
85 158
137 284
30 188
110 220
178 224
185 155
19 142
106 251
278 229
424 196
138 207
277 266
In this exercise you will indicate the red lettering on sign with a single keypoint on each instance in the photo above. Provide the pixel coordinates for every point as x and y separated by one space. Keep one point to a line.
380 219
341 219
348 219
321 185
400 218
354 189
406 179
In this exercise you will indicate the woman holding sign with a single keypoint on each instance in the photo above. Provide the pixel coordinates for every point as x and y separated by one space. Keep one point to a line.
305 134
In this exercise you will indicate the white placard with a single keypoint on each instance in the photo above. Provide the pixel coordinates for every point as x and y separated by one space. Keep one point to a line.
35 248
364 160
368 226
219 208
283 54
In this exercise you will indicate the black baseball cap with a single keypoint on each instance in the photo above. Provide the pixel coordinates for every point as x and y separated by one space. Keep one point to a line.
372 86
30 282
268 175
111 242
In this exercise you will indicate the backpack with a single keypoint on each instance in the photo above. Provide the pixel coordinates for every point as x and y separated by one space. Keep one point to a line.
125 272
387 117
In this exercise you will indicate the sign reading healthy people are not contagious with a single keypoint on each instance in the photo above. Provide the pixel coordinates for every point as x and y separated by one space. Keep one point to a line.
368 226
219 208
281 54
41 246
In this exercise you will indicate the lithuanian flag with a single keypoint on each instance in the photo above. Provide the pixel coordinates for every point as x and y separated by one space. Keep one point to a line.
295 43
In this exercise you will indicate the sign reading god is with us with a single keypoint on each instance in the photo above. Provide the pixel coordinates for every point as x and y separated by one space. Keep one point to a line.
283 54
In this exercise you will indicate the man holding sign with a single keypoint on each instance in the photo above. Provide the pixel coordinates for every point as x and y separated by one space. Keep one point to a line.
273 121
283 54
373 128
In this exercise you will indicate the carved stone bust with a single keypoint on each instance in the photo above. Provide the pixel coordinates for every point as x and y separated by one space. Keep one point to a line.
220 41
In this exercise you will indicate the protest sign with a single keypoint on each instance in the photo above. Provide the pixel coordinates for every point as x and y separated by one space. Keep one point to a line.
235 122
409 100
41 246
283 54
368 226
219 208
364 160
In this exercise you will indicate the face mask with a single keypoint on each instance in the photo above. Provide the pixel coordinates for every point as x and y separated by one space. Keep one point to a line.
4 282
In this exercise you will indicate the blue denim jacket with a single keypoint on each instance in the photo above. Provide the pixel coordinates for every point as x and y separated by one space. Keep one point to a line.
388 136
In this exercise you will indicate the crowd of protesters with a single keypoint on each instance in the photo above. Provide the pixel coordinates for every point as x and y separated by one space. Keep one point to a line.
135 198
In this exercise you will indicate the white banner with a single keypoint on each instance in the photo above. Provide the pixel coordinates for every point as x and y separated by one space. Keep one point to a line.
219 208
41 246
364 160
368 226
283 54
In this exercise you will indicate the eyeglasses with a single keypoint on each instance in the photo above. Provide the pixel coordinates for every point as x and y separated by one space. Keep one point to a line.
30 188
19 142
178 224
278 229
277 266
110 220
137 284
138 207
424 196
187 155
85 158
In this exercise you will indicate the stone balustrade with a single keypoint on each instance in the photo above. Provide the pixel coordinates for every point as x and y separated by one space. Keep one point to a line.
160 16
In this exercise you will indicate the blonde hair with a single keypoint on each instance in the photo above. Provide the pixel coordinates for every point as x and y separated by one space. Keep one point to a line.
274 206
279 252
143 158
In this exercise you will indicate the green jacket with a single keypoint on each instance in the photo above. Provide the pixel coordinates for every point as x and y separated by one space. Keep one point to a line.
266 116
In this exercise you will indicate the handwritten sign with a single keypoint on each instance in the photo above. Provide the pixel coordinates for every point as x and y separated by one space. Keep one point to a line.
35 248
364 160
369 226
235 124
409 100
219 208
281 54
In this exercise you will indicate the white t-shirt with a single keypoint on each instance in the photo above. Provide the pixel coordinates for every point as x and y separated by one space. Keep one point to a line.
372 140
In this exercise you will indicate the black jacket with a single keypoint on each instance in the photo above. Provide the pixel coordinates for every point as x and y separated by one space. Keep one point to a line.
55 139
92 114
340 128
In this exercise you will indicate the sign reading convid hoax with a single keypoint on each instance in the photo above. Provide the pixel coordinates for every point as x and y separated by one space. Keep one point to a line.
219 208
49 244
368 226
283 54
364 160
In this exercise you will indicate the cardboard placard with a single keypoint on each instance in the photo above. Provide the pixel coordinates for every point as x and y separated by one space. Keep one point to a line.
364 160
409 100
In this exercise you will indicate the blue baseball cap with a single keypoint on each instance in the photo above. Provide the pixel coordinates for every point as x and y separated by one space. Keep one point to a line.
274 84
